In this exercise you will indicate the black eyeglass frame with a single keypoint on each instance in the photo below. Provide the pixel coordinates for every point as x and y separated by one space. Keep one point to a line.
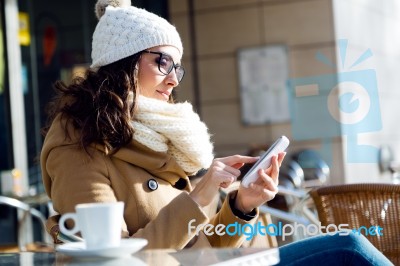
174 66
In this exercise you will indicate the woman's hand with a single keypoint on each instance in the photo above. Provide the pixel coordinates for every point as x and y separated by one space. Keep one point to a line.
222 173
262 190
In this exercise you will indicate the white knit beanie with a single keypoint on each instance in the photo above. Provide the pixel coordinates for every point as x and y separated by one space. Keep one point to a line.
124 30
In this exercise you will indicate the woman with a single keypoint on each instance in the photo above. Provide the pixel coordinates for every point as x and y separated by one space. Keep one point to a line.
116 135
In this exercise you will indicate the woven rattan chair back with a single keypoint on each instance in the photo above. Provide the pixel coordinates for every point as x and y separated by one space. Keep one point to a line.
363 206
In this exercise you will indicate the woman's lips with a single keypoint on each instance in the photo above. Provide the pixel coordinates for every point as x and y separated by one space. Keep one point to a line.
165 94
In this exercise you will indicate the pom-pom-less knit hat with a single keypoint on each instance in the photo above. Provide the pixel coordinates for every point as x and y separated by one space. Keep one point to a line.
124 30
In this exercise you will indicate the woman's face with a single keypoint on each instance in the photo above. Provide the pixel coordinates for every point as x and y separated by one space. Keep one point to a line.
152 82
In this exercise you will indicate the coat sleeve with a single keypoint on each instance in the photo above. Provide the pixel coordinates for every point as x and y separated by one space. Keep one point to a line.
71 178
225 216
171 228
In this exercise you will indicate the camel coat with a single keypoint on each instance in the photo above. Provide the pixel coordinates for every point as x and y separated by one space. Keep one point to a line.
161 216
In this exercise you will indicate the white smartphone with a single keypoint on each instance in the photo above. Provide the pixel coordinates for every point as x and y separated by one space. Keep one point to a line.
264 162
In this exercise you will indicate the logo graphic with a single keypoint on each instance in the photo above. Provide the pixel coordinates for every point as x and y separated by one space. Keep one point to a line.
280 229
340 104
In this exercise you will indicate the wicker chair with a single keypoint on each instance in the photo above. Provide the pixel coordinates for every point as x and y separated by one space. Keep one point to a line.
363 205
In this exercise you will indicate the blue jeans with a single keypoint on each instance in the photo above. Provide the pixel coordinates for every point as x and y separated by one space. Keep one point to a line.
352 249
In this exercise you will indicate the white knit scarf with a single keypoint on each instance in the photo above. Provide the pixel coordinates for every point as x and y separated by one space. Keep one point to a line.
176 129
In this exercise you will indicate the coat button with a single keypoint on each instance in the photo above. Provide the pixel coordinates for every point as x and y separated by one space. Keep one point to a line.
152 184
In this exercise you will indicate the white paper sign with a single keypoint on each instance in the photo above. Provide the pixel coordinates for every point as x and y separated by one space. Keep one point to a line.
263 76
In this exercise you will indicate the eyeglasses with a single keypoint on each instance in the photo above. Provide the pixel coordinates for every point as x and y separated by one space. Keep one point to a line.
166 64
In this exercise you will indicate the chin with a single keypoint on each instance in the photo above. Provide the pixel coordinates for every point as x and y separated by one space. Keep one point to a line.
162 98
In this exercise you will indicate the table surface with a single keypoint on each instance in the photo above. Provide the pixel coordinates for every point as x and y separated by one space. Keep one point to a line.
193 257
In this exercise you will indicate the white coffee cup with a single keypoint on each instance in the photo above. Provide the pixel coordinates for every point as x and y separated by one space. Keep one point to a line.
99 223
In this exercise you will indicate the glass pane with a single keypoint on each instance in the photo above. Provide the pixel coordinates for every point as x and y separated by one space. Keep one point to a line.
6 158
58 43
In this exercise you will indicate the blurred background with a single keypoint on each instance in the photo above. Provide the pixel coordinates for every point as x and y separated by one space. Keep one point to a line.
322 72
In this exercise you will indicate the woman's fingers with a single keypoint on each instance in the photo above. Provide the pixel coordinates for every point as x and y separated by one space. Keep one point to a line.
267 181
225 170
264 188
221 168
226 179
266 193
275 170
237 160
222 173
238 165
281 156
276 162
231 166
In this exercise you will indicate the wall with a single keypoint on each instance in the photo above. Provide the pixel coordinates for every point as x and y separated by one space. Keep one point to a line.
224 27
373 25
307 27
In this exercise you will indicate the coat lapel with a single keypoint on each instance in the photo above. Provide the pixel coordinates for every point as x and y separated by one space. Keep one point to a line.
158 164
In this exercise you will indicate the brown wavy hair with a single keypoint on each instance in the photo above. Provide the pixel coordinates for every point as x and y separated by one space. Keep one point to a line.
98 104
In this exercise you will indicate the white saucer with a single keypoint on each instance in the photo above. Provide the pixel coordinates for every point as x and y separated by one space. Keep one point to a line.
125 249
